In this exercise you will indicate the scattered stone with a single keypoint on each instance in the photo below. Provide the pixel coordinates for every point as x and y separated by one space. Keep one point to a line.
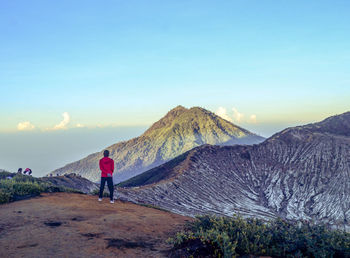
26 246
53 223
121 243
78 219
92 235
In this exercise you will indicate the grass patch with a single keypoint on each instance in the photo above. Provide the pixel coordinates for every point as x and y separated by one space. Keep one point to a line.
21 187
231 237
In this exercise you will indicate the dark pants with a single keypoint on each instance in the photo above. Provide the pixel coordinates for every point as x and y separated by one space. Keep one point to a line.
110 186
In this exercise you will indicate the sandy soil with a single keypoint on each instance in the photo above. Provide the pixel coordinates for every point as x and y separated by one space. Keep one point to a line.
76 225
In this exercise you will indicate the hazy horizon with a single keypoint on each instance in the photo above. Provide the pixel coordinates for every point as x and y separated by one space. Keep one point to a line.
45 151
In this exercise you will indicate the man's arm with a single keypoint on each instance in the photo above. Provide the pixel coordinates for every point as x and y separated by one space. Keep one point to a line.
100 165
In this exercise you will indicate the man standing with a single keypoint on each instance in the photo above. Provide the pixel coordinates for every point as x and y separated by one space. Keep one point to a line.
107 168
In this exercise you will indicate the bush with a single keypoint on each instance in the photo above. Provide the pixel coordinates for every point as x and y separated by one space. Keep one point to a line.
229 237
4 196
21 186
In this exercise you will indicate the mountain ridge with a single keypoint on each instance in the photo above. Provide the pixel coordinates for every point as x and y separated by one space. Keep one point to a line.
299 173
180 130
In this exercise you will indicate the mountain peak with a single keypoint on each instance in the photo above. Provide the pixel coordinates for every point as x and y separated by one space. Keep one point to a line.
178 108
175 112
168 118
198 108
186 128
180 130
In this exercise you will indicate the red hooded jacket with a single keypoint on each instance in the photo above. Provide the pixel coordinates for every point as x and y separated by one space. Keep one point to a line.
106 166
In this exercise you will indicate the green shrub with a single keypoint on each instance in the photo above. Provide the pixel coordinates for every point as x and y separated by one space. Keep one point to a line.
229 237
4 196
22 186
4 174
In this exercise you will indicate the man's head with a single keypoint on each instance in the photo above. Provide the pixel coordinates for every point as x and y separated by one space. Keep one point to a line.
106 153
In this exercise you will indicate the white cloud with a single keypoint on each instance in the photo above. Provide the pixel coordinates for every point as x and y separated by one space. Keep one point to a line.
79 125
222 112
63 124
25 126
252 119
237 116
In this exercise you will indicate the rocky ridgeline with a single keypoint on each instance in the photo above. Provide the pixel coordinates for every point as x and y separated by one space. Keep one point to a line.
72 181
179 131
299 173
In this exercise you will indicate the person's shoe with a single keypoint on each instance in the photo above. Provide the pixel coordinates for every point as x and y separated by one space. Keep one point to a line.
112 201
100 199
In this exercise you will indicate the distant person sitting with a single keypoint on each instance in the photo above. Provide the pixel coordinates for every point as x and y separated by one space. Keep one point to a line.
107 168
19 171
27 171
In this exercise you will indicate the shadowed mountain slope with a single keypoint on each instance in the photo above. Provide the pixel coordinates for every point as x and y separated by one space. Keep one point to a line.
299 173
179 131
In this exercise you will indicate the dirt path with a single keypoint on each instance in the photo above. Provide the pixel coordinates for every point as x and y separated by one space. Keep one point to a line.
75 225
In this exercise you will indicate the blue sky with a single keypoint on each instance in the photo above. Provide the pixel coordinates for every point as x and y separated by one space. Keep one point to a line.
112 63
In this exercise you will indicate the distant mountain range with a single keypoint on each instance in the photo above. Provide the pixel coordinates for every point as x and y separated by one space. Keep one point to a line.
180 130
300 173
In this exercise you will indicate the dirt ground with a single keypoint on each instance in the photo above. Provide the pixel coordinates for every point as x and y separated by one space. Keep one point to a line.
77 225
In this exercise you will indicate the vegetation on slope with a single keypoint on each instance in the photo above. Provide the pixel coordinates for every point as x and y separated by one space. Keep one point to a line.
22 186
229 237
